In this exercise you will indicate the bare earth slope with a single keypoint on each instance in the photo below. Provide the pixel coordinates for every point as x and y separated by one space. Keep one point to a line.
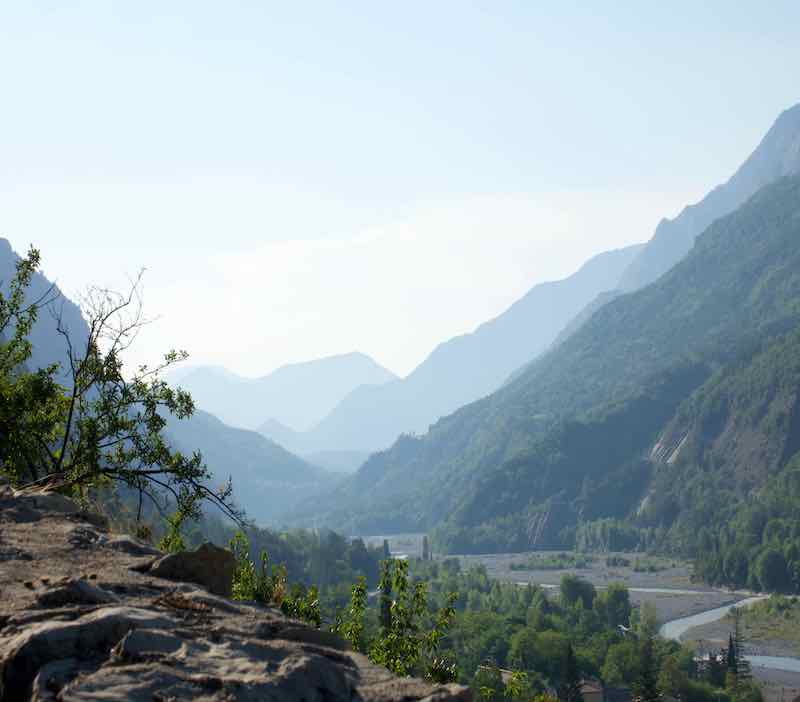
77 623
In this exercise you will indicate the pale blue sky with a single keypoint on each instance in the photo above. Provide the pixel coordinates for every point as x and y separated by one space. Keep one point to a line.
310 178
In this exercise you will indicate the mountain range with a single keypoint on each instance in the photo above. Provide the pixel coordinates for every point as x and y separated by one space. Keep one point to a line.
460 370
595 427
266 477
295 396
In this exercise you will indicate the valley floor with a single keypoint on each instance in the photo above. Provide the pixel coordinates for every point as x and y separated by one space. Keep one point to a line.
670 590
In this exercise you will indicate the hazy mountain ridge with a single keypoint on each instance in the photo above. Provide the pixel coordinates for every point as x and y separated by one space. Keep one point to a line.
463 369
296 395
777 155
48 346
740 283
266 477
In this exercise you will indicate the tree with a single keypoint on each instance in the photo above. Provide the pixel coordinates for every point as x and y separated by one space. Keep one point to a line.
573 589
403 646
672 680
741 667
730 656
569 687
425 548
31 403
106 428
614 605
646 685
772 572
519 687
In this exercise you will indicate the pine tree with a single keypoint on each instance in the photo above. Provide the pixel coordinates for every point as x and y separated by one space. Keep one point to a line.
569 690
743 672
425 548
730 655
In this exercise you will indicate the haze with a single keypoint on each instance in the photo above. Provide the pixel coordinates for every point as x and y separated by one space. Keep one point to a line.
318 178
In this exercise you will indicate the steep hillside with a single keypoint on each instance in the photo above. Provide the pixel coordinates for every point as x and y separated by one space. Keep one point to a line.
297 395
48 345
466 368
530 448
776 156
267 479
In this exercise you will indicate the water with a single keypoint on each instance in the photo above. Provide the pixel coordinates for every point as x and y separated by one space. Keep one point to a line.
775 663
678 627
657 590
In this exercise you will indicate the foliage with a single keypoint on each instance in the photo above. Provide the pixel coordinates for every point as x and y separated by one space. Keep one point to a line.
555 561
104 427
646 685
403 642
569 688
267 585
667 412
172 541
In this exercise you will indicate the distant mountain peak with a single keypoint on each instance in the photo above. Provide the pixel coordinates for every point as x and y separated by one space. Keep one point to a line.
296 395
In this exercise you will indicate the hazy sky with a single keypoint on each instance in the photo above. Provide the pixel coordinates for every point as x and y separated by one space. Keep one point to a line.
302 179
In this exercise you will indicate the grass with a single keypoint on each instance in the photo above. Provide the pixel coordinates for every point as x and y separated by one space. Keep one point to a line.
777 618
555 561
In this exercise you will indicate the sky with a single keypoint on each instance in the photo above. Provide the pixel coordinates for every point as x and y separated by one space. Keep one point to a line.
309 178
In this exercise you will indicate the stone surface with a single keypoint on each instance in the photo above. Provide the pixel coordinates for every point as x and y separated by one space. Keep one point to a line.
129 545
131 635
75 591
208 565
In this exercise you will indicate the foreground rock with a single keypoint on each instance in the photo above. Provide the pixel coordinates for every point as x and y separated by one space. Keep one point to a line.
209 566
88 617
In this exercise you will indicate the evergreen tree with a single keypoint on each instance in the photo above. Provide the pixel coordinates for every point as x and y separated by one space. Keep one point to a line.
730 655
743 672
425 548
569 689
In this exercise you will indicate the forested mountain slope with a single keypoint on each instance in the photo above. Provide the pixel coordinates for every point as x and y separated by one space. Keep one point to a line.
465 368
777 155
267 479
515 469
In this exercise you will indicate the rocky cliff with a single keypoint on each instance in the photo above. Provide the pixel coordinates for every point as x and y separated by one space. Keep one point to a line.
85 614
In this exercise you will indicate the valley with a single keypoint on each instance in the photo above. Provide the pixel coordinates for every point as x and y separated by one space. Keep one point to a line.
470 364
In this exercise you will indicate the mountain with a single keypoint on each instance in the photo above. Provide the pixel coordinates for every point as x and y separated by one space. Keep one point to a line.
48 346
573 439
776 156
266 478
462 369
296 395
338 461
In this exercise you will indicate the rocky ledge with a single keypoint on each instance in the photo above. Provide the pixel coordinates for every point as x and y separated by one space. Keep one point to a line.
85 615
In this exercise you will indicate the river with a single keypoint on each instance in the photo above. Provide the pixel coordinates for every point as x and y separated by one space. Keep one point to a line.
676 628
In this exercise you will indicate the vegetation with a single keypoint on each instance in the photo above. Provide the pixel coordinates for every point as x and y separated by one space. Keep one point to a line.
267 585
669 413
555 561
774 619
103 427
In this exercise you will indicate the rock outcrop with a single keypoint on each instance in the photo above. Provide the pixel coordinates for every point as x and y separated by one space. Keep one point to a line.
84 615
